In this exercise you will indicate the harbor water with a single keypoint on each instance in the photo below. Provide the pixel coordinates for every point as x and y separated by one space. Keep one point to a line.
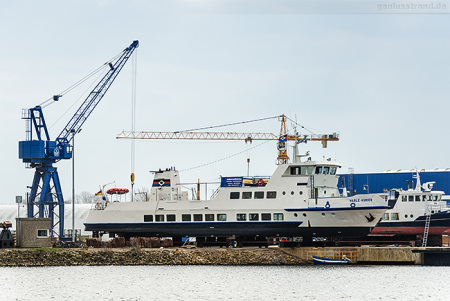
225 283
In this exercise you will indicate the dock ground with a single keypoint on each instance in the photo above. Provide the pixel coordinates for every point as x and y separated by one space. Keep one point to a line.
215 256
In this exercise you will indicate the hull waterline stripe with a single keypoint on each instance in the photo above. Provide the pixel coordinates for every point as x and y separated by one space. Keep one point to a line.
336 209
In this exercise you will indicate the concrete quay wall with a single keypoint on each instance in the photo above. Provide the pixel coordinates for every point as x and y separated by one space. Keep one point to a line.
362 255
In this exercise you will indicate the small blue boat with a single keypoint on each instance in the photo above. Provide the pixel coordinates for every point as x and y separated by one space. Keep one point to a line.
325 260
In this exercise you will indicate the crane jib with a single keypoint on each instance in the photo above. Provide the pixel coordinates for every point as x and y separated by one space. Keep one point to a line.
95 95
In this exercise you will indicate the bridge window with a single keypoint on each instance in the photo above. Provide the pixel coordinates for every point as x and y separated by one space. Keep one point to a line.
385 217
148 218
271 194
186 217
298 170
278 217
318 170
418 198
209 217
241 217
234 195
198 217
253 217
221 217
265 217
170 217
259 194
404 198
326 170
394 216
159 218
247 195
410 198
333 171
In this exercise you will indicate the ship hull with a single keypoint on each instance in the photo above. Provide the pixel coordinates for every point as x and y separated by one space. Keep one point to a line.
439 225
226 229
348 222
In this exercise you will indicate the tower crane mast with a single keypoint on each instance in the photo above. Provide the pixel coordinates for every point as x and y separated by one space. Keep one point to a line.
40 152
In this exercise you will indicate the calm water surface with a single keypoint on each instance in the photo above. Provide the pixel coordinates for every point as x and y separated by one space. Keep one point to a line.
225 283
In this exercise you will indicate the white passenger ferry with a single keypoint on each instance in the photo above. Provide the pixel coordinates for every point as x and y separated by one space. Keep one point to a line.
300 199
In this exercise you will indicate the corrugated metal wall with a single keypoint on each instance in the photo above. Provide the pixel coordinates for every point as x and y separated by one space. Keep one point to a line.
377 182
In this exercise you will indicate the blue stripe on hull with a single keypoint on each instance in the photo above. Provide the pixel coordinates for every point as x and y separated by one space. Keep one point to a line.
335 209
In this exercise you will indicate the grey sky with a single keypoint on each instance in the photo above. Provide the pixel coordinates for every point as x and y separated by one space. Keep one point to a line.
378 79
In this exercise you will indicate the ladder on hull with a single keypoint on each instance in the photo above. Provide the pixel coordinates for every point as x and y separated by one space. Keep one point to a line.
426 230
430 209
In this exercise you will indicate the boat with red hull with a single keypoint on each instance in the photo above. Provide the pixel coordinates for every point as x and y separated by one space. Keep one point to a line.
408 216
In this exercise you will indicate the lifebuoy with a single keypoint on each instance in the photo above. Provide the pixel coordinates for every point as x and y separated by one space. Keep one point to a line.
260 182
117 191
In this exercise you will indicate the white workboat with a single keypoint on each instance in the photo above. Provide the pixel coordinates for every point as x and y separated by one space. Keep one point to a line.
328 261
408 216
299 199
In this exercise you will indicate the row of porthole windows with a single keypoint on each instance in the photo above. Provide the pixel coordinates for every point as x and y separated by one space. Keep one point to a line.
234 195
323 214
419 198
210 217
395 217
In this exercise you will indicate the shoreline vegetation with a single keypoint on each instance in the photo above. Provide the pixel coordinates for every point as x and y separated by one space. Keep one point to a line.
140 256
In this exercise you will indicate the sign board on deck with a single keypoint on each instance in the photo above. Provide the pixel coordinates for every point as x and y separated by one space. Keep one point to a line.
231 182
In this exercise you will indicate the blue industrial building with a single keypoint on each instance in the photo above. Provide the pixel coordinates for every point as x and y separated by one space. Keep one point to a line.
360 183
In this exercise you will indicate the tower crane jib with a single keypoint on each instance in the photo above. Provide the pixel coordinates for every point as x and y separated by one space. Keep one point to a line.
232 136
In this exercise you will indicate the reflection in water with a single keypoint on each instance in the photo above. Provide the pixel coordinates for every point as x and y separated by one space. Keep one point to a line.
225 283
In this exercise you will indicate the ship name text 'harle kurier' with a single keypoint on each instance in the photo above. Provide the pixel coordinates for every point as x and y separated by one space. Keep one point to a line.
300 199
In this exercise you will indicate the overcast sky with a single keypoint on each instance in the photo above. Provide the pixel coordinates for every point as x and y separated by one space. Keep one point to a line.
378 77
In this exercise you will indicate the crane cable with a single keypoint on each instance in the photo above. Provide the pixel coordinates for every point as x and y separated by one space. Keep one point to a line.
228 124
303 127
47 102
76 101
133 119
222 159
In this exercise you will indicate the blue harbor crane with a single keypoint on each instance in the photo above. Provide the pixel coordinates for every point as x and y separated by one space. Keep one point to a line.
38 151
